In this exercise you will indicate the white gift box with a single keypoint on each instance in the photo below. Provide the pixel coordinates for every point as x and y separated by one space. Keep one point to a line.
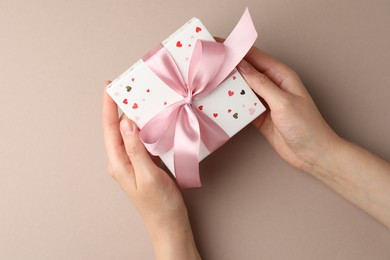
141 95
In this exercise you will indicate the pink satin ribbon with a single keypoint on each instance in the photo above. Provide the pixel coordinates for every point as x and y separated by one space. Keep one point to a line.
181 126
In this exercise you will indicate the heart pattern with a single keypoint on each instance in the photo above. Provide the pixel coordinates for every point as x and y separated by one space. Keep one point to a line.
135 105
128 88
215 115
178 44
230 93
242 92
235 115
198 29
125 101
200 107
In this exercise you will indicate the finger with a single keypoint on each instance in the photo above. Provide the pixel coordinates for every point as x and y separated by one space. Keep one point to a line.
135 149
260 84
279 73
119 164
156 159
112 137
264 63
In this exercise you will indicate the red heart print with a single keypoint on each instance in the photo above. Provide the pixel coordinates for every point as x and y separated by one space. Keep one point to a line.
234 77
255 103
165 102
125 101
133 79
215 114
135 106
148 90
198 29
230 93
229 110
189 45
178 44
200 107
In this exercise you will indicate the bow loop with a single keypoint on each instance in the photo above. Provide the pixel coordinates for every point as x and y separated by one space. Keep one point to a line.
200 73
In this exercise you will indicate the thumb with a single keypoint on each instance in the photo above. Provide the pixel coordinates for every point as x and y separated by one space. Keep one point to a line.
139 157
261 84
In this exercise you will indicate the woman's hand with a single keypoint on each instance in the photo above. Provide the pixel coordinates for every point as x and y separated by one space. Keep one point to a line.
292 123
151 190
295 128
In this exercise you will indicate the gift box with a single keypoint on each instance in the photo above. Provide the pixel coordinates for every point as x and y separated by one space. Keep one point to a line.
182 123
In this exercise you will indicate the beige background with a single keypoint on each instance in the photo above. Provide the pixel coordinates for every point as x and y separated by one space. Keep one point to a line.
57 200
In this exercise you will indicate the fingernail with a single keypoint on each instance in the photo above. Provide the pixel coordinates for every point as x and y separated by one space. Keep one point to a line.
126 127
245 67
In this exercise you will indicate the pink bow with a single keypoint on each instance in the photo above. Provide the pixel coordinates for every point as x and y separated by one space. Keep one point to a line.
181 126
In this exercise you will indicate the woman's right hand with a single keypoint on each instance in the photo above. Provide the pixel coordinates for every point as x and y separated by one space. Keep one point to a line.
292 123
295 128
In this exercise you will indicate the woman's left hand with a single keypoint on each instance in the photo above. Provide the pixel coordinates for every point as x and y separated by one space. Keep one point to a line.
151 190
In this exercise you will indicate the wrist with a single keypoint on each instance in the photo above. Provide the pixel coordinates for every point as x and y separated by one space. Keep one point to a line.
321 162
173 239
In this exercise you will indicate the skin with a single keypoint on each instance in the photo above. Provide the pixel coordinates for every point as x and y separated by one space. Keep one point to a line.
293 126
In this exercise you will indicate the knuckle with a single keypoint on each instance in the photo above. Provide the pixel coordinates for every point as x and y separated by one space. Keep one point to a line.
150 181
285 103
277 75
261 79
115 172
131 150
292 73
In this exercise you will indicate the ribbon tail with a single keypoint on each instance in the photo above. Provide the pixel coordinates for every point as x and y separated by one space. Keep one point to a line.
237 45
186 148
